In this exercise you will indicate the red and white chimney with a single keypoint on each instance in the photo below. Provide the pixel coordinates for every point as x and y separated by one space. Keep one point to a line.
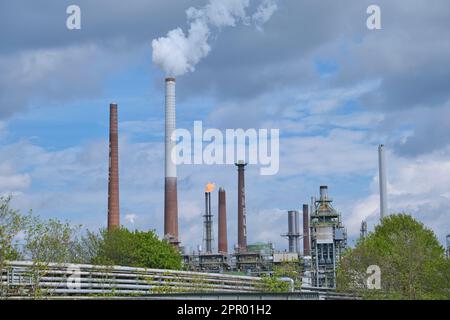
170 188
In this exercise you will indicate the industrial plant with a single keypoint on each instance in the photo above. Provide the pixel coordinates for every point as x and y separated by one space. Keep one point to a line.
314 248
323 235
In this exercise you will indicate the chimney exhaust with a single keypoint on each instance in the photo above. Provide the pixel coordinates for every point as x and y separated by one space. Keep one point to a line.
170 187
113 181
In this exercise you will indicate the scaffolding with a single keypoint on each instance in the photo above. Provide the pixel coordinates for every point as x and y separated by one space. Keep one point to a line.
328 241
207 224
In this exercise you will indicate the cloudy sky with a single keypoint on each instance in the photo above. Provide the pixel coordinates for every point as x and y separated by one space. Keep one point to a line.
312 69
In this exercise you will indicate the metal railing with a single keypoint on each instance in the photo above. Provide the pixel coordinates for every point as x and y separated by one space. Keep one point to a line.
25 278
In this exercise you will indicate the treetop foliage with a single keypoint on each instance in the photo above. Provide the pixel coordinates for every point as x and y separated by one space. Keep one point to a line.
411 260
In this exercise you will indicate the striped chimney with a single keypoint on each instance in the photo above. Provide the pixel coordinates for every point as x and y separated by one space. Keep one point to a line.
170 188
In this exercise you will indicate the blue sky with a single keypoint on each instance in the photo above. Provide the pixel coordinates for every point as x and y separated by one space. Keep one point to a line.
333 88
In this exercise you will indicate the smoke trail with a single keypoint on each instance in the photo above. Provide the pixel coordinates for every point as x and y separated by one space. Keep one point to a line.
178 53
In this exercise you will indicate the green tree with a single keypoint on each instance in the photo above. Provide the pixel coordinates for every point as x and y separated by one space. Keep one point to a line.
136 249
410 258
276 283
273 284
52 241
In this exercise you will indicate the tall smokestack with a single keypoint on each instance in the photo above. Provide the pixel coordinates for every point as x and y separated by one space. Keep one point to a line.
297 232
223 241
382 181
170 188
113 181
306 243
242 214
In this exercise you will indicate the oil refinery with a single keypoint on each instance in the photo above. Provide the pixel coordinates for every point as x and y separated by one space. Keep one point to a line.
314 247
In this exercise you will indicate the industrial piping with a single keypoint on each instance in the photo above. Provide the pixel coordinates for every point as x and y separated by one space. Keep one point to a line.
113 179
382 181
306 241
242 215
170 187
222 237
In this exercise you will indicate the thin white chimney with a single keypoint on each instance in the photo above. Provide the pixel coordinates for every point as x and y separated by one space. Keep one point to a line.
382 181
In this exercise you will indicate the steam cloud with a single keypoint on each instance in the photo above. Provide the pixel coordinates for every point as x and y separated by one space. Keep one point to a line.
178 53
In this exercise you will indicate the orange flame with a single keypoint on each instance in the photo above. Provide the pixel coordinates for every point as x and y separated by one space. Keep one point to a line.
210 187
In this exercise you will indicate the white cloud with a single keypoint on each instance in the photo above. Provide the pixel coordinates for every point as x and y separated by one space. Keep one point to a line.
14 182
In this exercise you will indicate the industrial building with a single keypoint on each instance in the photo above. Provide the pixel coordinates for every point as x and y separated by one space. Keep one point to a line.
328 240
323 234
293 234
363 230
324 240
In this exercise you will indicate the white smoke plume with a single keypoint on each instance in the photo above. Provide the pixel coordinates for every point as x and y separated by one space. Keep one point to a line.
178 53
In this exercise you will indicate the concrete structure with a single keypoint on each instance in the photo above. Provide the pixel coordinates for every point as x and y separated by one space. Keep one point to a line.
242 214
328 241
113 180
293 233
306 239
170 187
382 181
222 232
